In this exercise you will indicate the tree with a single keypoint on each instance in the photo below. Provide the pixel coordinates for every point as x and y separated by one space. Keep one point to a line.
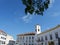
36 6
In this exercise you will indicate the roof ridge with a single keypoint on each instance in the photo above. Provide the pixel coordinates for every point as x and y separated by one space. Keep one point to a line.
50 29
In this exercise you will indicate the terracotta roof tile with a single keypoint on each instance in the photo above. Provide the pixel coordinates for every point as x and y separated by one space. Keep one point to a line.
26 34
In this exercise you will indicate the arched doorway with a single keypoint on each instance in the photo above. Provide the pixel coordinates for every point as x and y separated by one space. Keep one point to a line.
51 43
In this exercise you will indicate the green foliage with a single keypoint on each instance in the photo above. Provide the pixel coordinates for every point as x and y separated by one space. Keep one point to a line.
36 6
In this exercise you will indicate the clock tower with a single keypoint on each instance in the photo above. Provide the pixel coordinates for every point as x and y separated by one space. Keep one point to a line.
37 29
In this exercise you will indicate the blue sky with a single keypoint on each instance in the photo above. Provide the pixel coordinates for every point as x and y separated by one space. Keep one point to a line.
14 21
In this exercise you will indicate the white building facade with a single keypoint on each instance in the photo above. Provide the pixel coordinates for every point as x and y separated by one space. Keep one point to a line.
48 37
5 38
10 40
26 39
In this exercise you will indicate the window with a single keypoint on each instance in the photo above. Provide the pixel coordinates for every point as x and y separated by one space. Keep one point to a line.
32 40
29 44
56 35
3 38
26 37
41 43
29 40
20 37
45 37
42 39
19 44
26 40
32 44
3 42
32 37
56 43
4 34
38 39
23 37
24 43
29 37
50 36
45 43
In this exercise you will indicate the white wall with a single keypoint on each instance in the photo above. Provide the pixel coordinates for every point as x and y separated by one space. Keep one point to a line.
2 36
48 35
8 38
26 38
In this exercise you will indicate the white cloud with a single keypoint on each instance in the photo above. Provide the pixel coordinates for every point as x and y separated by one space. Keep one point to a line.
51 3
56 14
27 18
